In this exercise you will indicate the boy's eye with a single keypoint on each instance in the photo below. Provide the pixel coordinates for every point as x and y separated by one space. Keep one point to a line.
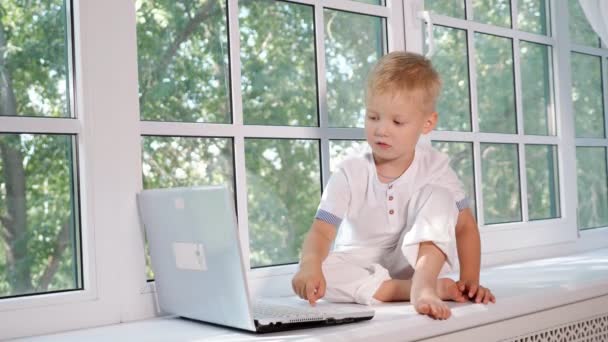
373 118
398 123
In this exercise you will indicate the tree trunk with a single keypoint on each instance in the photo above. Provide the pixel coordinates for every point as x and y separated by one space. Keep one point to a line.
15 223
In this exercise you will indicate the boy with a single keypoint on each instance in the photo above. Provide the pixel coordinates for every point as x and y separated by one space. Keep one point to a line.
399 207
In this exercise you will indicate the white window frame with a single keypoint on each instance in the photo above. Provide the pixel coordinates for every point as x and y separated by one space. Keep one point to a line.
105 92
238 131
109 134
524 234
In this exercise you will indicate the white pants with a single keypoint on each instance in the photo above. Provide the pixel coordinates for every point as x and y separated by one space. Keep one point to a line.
356 274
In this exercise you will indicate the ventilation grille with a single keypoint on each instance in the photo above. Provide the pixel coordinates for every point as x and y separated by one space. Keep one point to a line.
594 329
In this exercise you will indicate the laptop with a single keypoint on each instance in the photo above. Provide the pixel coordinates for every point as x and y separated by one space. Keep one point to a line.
195 251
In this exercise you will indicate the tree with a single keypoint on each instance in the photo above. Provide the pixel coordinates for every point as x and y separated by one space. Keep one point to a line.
37 222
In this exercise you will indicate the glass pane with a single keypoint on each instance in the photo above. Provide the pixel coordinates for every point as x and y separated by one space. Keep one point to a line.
450 61
170 162
284 188
543 182
532 16
495 90
39 219
353 43
182 49
537 100
34 59
592 187
493 12
587 99
461 160
341 149
500 183
581 31
452 8
371 2
279 86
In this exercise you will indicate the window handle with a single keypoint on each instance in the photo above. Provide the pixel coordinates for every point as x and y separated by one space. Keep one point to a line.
426 16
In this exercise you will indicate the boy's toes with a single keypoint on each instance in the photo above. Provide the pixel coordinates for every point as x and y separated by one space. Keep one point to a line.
423 309
441 312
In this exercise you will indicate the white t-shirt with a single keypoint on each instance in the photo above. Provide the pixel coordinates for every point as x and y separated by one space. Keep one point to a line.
373 214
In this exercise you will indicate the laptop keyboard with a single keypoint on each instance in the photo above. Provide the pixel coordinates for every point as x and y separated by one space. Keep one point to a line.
263 309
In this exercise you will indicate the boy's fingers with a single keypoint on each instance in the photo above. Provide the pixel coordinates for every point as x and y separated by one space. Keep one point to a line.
310 293
472 290
461 286
487 297
321 290
480 294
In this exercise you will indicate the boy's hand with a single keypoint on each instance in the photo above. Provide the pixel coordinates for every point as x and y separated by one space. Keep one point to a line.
475 292
309 283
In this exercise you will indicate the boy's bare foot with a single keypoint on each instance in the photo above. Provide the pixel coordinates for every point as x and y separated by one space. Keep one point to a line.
428 303
447 289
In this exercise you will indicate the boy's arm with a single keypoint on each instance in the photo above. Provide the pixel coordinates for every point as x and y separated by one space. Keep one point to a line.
317 243
309 282
469 255
469 246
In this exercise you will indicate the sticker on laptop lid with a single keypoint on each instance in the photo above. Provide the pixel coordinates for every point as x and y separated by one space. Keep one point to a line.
179 203
189 256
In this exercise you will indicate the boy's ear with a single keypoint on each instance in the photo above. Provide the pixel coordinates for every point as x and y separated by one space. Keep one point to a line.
430 123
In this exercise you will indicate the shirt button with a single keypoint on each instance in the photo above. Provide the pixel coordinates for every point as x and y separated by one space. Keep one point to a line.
390 198
391 211
390 186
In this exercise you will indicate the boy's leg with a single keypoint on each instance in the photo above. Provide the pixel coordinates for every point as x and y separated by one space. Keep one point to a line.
398 290
350 279
423 293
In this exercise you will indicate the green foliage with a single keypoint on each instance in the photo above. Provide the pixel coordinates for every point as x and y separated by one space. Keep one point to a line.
183 60
284 187
587 95
592 187
536 89
49 208
353 43
500 183
581 31
493 12
38 223
532 16
450 61
278 85
495 84
184 76
451 8
543 182
36 56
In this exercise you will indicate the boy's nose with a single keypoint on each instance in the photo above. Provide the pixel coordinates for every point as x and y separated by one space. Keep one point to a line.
381 130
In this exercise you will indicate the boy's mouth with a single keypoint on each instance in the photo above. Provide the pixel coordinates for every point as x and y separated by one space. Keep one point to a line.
383 145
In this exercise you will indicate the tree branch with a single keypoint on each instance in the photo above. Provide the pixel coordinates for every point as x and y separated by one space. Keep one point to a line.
169 54
7 235
61 242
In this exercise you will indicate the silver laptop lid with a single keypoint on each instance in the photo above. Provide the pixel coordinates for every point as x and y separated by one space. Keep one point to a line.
193 241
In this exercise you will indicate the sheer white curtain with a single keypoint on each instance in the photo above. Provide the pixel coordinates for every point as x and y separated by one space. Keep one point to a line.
596 12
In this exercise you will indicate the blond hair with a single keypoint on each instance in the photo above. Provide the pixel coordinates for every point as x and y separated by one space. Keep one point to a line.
407 74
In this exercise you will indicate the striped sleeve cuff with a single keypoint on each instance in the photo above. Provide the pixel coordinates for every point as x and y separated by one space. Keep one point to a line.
462 204
328 217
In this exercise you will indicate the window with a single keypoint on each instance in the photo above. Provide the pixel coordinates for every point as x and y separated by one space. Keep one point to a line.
497 116
266 96
588 69
40 249
224 99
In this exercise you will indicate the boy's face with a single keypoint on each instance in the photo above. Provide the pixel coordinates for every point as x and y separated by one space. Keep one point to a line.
393 124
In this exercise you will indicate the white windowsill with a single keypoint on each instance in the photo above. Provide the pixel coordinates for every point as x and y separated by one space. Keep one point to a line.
521 288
